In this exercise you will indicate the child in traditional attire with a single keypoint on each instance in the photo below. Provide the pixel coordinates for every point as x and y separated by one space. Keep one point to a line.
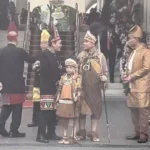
69 92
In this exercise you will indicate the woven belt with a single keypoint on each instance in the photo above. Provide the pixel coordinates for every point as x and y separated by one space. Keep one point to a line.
65 102
47 100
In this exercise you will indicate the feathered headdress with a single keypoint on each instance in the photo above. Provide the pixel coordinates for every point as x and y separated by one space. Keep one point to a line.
95 29
56 36
45 36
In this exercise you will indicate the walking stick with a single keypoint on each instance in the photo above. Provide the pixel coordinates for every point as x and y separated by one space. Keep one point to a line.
107 123
104 97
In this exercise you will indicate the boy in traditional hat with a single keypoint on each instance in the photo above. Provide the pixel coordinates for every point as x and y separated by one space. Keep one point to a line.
36 89
68 96
93 68
50 73
138 78
11 76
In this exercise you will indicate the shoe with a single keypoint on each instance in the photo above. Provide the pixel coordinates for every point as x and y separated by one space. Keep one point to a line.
143 140
32 124
42 139
54 137
81 134
16 134
4 133
133 137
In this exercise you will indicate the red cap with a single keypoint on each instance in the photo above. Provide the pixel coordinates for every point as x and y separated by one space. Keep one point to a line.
12 32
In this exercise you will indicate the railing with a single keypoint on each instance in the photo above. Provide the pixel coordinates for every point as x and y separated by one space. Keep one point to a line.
26 43
77 35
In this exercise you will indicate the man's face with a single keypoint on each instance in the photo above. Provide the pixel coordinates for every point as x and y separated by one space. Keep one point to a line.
44 45
57 45
132 41
88 45
70 70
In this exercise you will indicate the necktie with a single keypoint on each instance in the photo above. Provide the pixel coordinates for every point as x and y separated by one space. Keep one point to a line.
108 41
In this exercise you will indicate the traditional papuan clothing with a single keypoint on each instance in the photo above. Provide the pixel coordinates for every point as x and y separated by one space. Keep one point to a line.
11 76
93 68
138 68
50 73
36 89
69 93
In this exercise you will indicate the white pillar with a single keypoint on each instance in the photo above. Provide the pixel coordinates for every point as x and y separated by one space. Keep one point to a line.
100 4
13 1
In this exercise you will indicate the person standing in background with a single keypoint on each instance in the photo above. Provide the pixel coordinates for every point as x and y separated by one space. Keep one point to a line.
13 85
137 76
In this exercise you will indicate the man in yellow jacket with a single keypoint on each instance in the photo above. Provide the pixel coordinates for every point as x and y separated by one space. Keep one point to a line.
138 78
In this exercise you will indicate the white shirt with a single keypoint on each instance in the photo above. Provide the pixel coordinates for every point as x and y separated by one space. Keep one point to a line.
130 63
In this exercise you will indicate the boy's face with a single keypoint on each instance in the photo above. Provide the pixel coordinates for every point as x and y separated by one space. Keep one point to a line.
70 69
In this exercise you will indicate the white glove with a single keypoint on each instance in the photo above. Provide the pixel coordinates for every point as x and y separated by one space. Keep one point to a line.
1 86
103 78
36 65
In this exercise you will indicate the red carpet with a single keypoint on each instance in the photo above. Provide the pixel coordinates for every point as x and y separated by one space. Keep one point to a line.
28 104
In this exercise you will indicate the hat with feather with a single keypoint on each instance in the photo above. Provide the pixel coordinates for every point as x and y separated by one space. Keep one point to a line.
54 35
96 29
45 36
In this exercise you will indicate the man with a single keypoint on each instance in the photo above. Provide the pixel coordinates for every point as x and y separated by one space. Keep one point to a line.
36 89
50 73
93 69
11 77
109 42
138 78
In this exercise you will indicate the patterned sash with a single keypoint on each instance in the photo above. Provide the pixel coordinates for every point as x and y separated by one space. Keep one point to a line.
47 102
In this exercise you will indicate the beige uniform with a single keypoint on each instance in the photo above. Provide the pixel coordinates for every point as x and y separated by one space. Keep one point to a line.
139 95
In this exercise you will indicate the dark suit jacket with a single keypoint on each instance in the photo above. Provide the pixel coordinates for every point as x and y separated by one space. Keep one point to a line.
12 68
113 45
50 73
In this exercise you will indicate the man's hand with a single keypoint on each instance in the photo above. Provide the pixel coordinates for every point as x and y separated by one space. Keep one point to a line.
103 78
1 86
36 65
126 79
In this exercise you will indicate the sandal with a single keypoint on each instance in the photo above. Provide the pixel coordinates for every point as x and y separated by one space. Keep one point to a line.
77 138
70 141
93 136
63 140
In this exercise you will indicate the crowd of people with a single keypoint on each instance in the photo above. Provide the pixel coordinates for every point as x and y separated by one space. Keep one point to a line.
66 98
